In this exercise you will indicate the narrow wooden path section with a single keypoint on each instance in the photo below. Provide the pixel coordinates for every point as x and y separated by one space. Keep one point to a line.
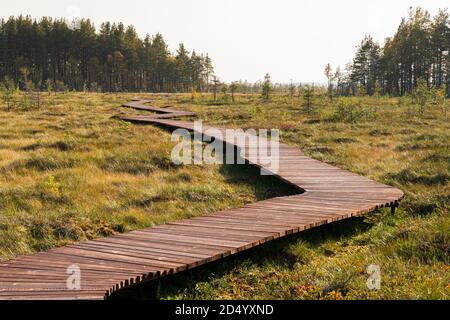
110 264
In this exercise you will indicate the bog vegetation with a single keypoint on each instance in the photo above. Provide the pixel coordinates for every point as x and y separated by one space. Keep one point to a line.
70 171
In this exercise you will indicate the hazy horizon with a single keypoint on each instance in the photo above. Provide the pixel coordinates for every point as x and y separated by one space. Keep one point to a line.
247 39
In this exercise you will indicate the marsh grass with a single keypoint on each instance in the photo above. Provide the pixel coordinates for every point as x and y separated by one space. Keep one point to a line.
71 171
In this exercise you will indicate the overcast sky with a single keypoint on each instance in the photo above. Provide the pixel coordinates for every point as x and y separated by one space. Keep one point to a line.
290 39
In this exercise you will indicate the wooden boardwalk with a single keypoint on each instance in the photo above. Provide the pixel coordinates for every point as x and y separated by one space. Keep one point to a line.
110 264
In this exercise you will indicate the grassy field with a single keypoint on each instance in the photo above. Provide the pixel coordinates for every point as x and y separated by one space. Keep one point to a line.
71 171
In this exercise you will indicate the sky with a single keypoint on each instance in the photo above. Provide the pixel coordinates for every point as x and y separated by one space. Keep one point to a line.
289 39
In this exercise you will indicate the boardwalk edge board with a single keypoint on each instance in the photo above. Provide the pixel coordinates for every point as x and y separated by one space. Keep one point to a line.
111 264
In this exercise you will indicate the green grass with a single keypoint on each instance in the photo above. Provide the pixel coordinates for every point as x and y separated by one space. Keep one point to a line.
71 171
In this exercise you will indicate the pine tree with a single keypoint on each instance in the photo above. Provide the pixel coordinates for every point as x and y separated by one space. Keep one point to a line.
308 97
233 88
266 88
216 83
421 94
182 68
330 78
366 65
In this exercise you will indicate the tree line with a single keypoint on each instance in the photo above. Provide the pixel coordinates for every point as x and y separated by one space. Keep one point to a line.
418 53
44 53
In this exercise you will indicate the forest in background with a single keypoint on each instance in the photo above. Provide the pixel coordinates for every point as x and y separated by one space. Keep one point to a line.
50 54
417 55
53 53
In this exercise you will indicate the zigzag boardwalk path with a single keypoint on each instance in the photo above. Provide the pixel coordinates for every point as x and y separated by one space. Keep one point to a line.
326 194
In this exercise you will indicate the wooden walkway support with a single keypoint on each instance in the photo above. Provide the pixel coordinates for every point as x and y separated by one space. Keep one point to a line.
110 264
